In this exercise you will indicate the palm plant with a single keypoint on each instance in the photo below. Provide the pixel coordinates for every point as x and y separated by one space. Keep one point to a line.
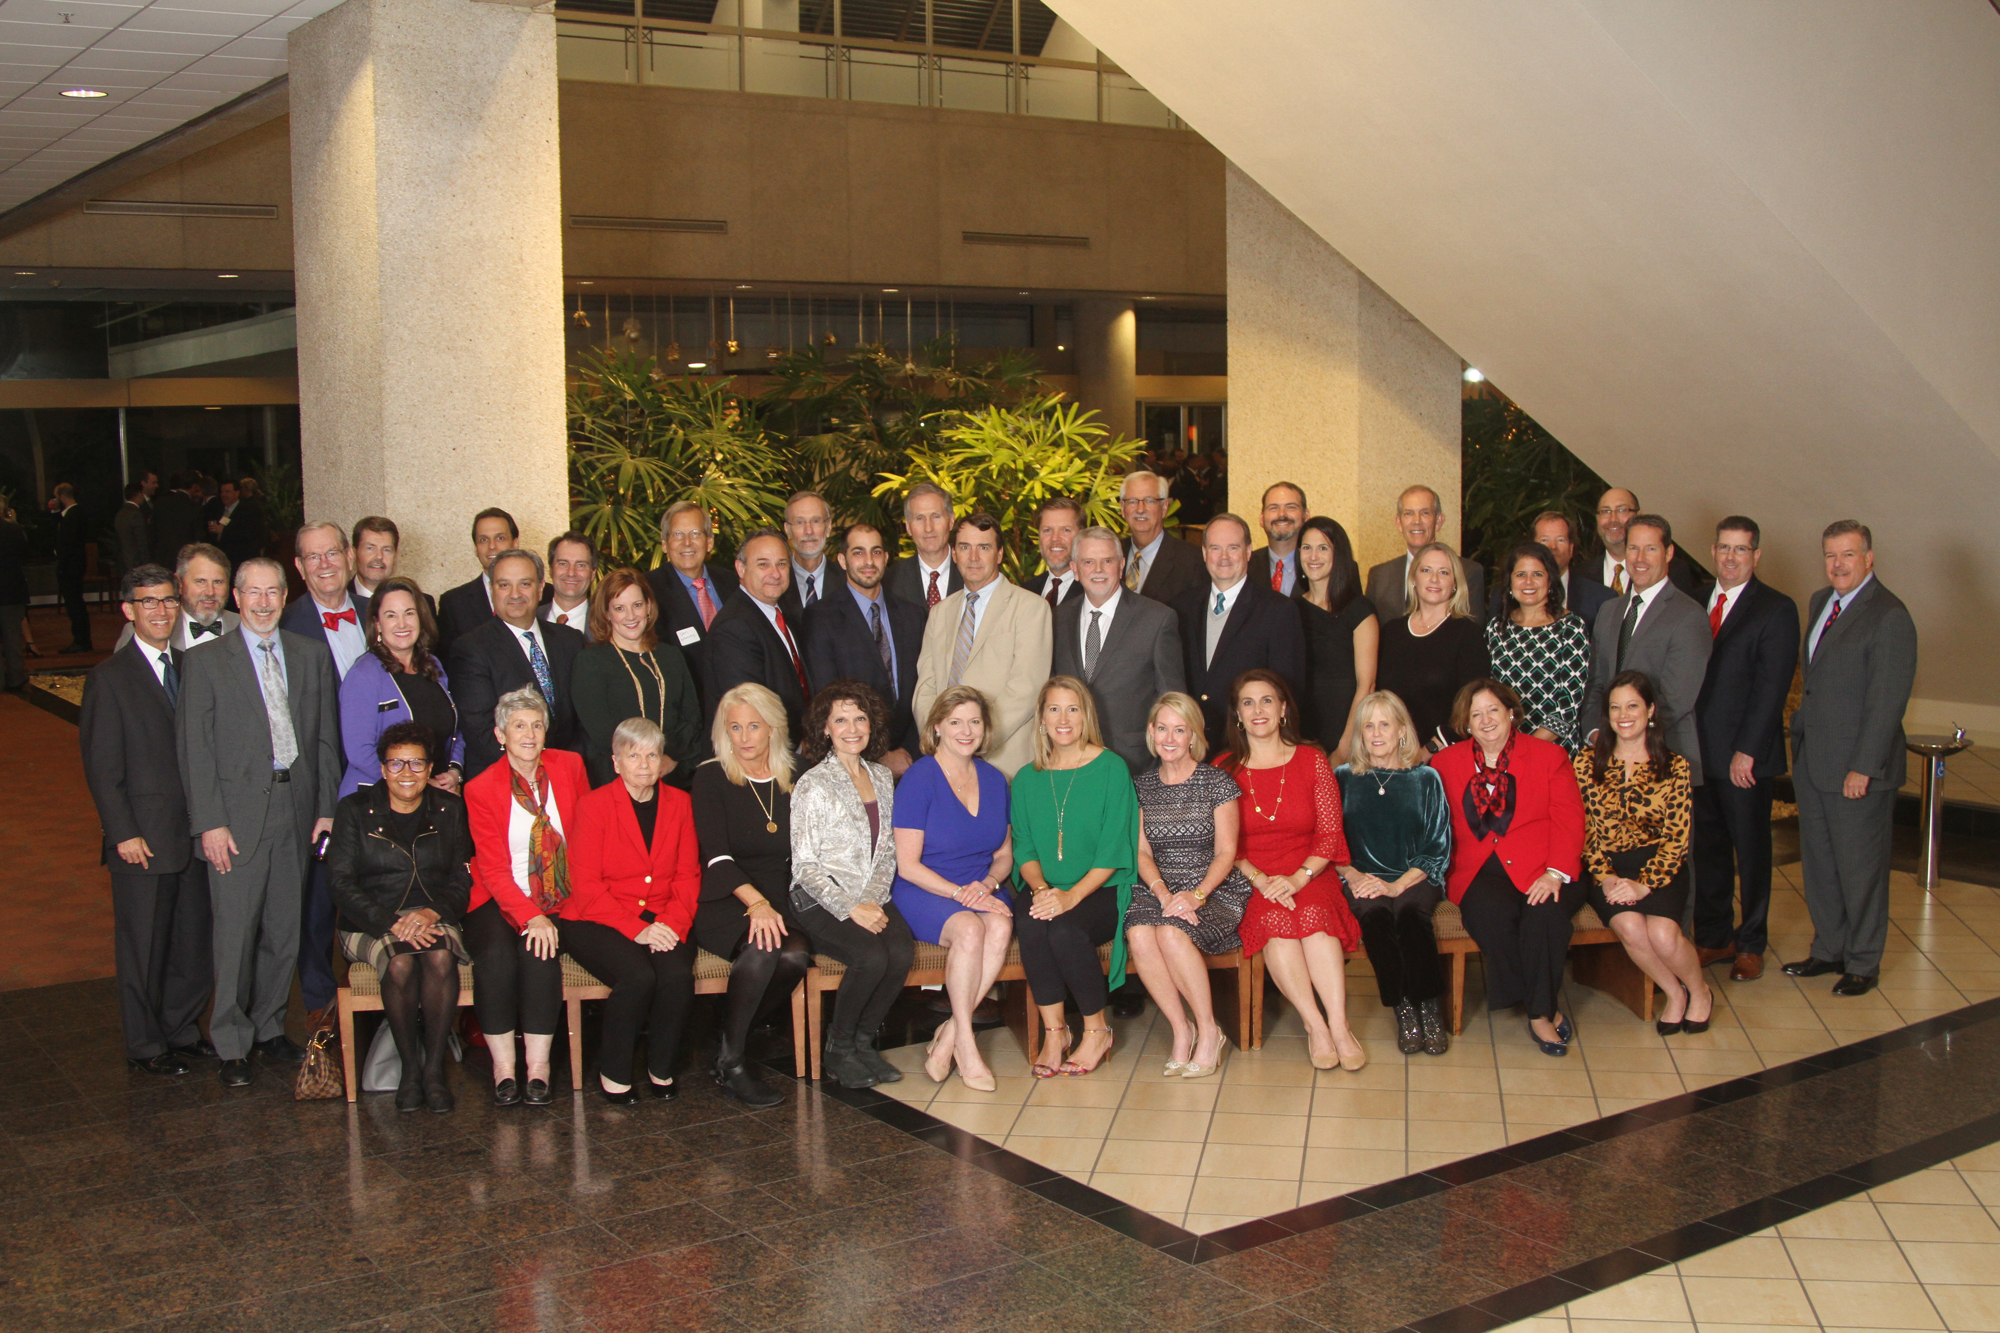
1514 470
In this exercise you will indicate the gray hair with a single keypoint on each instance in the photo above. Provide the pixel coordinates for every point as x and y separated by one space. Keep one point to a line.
679 507
1101 535
199 551
258 562
340 534
638 733
1143 474
522 553
1849 527
928 488
527 699
1437 501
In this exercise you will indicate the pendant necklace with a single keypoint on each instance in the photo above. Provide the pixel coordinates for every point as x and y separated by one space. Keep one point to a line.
771 810
1062 807
659 682
1381 784
1257 805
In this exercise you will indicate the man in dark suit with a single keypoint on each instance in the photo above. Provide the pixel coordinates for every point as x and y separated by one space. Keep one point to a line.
1229 625
1604 563
929 576
329 609
72 563
1655 628
1283 515
690 591
1419 515
1125 647
159 891
130 523
1741 717
13 601
1158 564
1056 525
470 605
202 579
1848 760
177 519
752 639
861 631
808 528
514 648
1579 594
259 725
243 530
572 570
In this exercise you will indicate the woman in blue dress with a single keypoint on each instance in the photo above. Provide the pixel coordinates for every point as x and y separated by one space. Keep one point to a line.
954 849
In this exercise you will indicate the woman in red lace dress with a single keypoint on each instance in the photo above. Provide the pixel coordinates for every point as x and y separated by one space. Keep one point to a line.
1291 838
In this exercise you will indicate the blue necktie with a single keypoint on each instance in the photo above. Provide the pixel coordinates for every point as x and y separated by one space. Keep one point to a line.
540 662
170 678
1218 605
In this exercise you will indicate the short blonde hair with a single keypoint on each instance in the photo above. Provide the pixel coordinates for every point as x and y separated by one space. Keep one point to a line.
1190 713
769 711
1045 749
1408 750
948 703
1461 598
527 699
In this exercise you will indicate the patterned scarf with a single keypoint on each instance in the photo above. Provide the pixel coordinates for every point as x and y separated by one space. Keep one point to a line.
548 861
1489 797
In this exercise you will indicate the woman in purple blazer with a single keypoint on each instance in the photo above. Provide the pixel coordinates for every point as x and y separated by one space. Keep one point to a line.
398 679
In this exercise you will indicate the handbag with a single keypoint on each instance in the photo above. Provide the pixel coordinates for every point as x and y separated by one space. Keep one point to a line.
319 1076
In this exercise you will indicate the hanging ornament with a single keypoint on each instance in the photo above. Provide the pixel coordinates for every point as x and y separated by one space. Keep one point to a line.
733 346
632 328
579 316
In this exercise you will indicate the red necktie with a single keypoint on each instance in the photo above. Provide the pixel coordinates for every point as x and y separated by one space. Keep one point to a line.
332 619
562 617
703 603
784 632
1055 582
1715 615
1277 574
931 598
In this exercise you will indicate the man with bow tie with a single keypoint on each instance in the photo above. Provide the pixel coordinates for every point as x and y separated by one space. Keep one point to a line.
330 608
201 577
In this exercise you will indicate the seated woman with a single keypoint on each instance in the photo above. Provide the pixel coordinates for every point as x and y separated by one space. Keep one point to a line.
843 862
1192 895
1639 819
634 879
1516 851
396 869
743 821
627 672
1429 653
519 811
953 851
1399 841
1291 835
1538 647
1076 835
398 680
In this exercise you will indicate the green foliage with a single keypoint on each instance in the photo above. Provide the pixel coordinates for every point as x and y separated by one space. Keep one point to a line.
1513 470
284 496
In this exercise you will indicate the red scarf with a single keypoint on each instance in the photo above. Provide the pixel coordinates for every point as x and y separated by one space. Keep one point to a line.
1489 797
548 861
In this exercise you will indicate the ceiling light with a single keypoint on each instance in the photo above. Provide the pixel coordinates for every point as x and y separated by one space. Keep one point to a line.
586 283
1473 375
225 275
892 289
1061 348
1149 298
1021 293
83 92
742 286
211 409
24 273
697 365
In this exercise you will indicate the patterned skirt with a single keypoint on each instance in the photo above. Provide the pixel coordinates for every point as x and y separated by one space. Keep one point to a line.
1215 932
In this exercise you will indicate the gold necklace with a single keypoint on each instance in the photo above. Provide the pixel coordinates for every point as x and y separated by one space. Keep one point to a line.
1062 808
771 810
653 669
1283 770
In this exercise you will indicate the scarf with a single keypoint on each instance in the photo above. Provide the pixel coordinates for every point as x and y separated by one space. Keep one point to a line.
548 861
1489 797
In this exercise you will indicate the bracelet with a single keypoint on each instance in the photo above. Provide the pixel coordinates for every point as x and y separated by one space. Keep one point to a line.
748 908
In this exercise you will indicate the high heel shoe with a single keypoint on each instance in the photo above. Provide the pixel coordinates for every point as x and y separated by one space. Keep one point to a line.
1043 1068
981 1082
629 1097
938 1073
1075 1070
1691 1026
1194 1070
1666 1029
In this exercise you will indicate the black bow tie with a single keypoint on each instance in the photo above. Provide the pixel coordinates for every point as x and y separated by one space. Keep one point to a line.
196 629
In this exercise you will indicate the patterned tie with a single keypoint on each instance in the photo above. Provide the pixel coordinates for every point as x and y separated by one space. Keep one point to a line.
882 641
932 598
811 590
1618 580
1136 574
1219 603
171 678
1631 623
1827 628
704 605
539 661
1093 643
785 633
968 625
1715 614
278 709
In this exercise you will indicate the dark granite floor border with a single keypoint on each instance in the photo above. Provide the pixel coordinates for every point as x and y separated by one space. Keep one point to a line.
53 703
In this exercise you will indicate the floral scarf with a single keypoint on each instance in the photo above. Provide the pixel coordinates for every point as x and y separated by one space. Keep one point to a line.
1489 797
548 861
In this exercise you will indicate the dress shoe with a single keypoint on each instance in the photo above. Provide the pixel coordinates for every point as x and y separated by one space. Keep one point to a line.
235 1073
537 1092
739 1084
1437 1037
1850 984
1747 967
279 1050
865 1052
1409 1028
629 1097
1547 1047
507 1092
1128 1001
410 1095
166 1063
1814 967
1563 1028
201 1048
1722 955
664 1092
438 1098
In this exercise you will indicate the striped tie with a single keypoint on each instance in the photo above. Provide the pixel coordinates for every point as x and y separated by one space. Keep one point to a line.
967 626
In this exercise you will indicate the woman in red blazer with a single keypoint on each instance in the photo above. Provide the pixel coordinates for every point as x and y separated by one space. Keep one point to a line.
1516 855
520 812
636 877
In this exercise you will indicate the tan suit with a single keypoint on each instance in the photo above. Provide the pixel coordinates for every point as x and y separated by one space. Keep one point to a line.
1009 664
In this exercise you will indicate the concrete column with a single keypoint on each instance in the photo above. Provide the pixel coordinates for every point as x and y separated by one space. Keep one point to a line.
1107 363
427 232
1332 385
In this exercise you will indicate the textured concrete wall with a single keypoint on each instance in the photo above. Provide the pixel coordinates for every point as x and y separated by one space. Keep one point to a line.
1107 359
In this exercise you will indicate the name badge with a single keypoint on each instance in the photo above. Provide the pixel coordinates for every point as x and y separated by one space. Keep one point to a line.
388 705
689 637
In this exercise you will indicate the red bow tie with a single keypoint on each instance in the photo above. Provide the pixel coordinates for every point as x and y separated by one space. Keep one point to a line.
332 619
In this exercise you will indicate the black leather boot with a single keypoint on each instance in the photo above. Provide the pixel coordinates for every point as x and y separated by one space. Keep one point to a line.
1409 1030
732 1074
865 1052
1437 1040
842 1066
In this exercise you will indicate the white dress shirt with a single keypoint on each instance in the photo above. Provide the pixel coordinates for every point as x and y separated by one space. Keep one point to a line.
522 638
1062 583
924 573
1217 619
1839 599
817 577
1105 614
346 640
1734 595
519 823
1644 601
156 658
1615 573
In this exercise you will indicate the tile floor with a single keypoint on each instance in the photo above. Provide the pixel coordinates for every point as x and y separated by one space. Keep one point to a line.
1972 777
1922 1253
1271 1133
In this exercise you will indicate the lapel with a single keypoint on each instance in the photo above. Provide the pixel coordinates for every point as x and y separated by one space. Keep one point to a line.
140 668
1237 619
1837 632
995 599
628 823
1121 628
295 680
1747 599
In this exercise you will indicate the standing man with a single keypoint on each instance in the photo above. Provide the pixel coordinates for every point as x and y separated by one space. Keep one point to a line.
375 542
135 538
202 580
1655 628
328 610
752 638
1740 715
512 649
928 577
1230 624
1125 647
1419 515
1057 524
808 524
159 891
177 519
72 563
470 605
690 591
992 636
245 530
260 758
1605 563
572 569
1579 594
1157 564
1847 758
1284 513
863 632
13 601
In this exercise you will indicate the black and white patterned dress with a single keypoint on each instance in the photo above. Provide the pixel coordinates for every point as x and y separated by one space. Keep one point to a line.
1548 666
1180 828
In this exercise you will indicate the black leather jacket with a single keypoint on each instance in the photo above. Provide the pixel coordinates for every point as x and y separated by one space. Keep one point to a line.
371 875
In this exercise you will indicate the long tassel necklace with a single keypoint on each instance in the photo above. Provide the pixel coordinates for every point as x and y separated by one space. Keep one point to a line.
659 681
1062 807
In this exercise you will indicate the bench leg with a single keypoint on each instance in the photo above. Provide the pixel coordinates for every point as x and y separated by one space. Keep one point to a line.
815 1018
799 1030
1022 1018
1457 1014
575 1008
1229 994
344 999
1607 967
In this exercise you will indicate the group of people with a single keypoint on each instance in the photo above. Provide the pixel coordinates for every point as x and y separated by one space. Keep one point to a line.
819 748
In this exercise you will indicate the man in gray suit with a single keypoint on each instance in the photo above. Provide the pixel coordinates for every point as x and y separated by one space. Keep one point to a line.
260 758
1655 628
1125 647
1419 516
1847 758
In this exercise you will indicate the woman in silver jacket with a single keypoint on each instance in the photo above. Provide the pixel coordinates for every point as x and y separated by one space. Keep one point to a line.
843 862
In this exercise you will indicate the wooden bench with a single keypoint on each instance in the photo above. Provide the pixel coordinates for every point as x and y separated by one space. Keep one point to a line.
1596 957
1239 998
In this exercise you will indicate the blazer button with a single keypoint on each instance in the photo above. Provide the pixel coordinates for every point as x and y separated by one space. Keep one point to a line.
649 879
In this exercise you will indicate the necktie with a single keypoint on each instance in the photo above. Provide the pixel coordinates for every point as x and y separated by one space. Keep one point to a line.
1219 603
1715 614
1136 575
332 619
811 590
196 629
1093 643
170 678
785 633
1630 623
1827 628
882 642
278 709
1277 574
1055 582
931 598
539 661
562 617
703 603
1618 579
968 625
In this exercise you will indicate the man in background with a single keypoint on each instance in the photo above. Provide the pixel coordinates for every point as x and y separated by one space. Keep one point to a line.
572 569
469 605
1158 564
929 576
1419 517
1056 525
861 631
1284 512
690 590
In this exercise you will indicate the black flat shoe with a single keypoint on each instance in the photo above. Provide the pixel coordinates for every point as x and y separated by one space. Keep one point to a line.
234 1073
410 1096
166 1064
280 1050
1547 1047
664 1092
538 1092
438 1099
201 1048
1851 984
1813 967
1564 1030
507 1092
629 1097
739 1084
1695 1026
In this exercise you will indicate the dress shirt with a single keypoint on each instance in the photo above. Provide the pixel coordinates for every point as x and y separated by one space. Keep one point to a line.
1105 615
184 637
1288 566
1645 601
1062 583
1566 598
153 656
1614 569
862 600
354 589
1734 595
924 573
1838 599
708 585
985 596
346 640
1216 622
534 632
519 824
576 617
1145 555
277 642
801 576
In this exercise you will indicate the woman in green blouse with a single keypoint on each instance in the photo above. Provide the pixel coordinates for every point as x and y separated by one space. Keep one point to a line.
1076 842
1399 838
627 672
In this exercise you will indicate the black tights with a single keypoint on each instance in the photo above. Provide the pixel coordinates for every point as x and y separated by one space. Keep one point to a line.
758 978
425 982
1401 944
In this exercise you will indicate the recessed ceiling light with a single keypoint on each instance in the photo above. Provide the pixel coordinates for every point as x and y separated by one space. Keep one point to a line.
697 365
211 409
586 283
1473 375
743 287
24 273
1021 293
83 92
892 290
1149 298
225 275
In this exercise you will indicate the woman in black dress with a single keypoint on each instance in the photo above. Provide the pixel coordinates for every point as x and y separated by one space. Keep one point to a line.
1342 635
627 672
1435 650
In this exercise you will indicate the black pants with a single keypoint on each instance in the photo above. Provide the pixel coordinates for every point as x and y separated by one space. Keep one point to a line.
1401 944
877 966
649 990
1060 956
69 587
758 978
162 941
316 939
512 990
1524 947
1732 845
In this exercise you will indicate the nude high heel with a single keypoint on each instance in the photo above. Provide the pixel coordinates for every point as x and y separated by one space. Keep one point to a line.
938 1072
1194 1070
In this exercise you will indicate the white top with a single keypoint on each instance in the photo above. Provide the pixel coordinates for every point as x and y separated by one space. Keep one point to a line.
519 822
1218 617
1644 601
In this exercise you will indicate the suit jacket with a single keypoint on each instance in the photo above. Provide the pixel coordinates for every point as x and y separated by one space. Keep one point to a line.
1177 567
489 809
1671 645
488 662
1589 566
72 537
13 564
181 642
1741 708
1039 585
1583 596
839 644
1262 631
1546 832
906 578
130 760
462 610
1857 685
302 616
1009 663
1140 660
680 620
1389 590
617 878
135 538
245 531
579 619
177 521
225 741
1260 565
743 645
792 603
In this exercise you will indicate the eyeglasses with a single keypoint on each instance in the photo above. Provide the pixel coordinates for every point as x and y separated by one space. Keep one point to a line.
1621 511
1143 501
152 603
1734 550
406 765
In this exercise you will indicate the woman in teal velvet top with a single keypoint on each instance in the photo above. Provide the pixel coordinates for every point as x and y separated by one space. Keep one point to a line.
1399 836
1076 843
